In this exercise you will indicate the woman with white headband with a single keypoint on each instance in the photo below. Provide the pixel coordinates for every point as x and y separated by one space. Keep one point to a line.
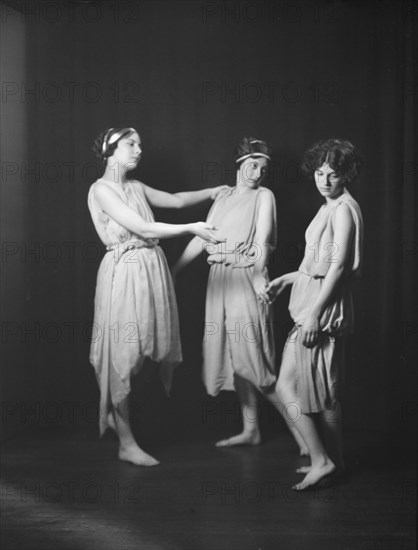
135 313
238 342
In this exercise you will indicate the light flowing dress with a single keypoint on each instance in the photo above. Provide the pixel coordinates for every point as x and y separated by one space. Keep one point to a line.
135 310
238 332
320 369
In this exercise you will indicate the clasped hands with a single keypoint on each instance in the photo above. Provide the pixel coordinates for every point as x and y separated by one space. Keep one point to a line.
266 291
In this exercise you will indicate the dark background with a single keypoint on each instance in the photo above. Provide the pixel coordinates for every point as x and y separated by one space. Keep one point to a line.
194 77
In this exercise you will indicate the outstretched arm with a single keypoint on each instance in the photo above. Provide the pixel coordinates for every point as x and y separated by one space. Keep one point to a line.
122 214
162 199
343 234
192 250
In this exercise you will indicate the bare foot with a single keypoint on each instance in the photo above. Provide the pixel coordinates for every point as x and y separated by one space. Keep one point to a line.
244 438
315 474
303 470
306 469
136 456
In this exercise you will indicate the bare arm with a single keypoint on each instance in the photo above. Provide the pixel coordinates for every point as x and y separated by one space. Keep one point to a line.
276 286
162 199
344 228
265 218
192 250
114 207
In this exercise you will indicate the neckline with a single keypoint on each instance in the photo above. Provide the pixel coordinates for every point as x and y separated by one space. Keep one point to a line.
342 198
112 181
243 193
116 185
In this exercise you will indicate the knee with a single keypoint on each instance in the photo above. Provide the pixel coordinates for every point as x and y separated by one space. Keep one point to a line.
283 389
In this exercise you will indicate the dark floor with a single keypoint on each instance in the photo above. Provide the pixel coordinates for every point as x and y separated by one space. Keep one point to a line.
64 489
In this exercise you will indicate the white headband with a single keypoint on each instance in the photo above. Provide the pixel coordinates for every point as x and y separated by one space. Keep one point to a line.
115 137
253 155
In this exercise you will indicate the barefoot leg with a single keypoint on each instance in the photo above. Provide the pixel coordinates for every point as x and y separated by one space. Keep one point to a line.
274 400
111 422
303 470
129 450
321 463
332 433
315 474
303 449
250 434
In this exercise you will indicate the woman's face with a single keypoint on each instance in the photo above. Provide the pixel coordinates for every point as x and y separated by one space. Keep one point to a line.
128 152
252 171
329 184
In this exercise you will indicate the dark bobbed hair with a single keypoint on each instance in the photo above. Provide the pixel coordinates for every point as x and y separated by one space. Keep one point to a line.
250 146
341 155
97 146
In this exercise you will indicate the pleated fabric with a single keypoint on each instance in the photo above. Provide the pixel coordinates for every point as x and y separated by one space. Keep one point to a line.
320 370
135 309
238 332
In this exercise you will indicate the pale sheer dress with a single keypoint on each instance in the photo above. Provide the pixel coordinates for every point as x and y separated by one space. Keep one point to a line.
135 310
320 369
238 332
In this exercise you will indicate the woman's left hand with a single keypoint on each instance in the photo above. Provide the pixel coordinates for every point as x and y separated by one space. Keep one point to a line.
260 284
216 190
310 331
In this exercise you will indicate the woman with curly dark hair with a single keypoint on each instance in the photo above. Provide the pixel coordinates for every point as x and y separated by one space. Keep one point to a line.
321 307
135 314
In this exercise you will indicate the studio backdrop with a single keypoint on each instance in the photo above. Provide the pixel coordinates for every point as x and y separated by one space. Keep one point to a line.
193 78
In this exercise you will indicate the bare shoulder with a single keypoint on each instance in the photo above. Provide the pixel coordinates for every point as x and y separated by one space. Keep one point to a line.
343 211
343 215
101 187
224 193
103 191
266 196
138 183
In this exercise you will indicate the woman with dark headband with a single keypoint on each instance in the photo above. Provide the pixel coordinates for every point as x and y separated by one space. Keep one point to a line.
238 343
321 307
135 307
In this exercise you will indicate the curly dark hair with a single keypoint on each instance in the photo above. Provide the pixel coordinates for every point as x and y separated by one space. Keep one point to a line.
249 146
97 146
339 154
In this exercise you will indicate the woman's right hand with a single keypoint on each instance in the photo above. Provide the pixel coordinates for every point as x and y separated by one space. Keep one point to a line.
205 231
276 287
